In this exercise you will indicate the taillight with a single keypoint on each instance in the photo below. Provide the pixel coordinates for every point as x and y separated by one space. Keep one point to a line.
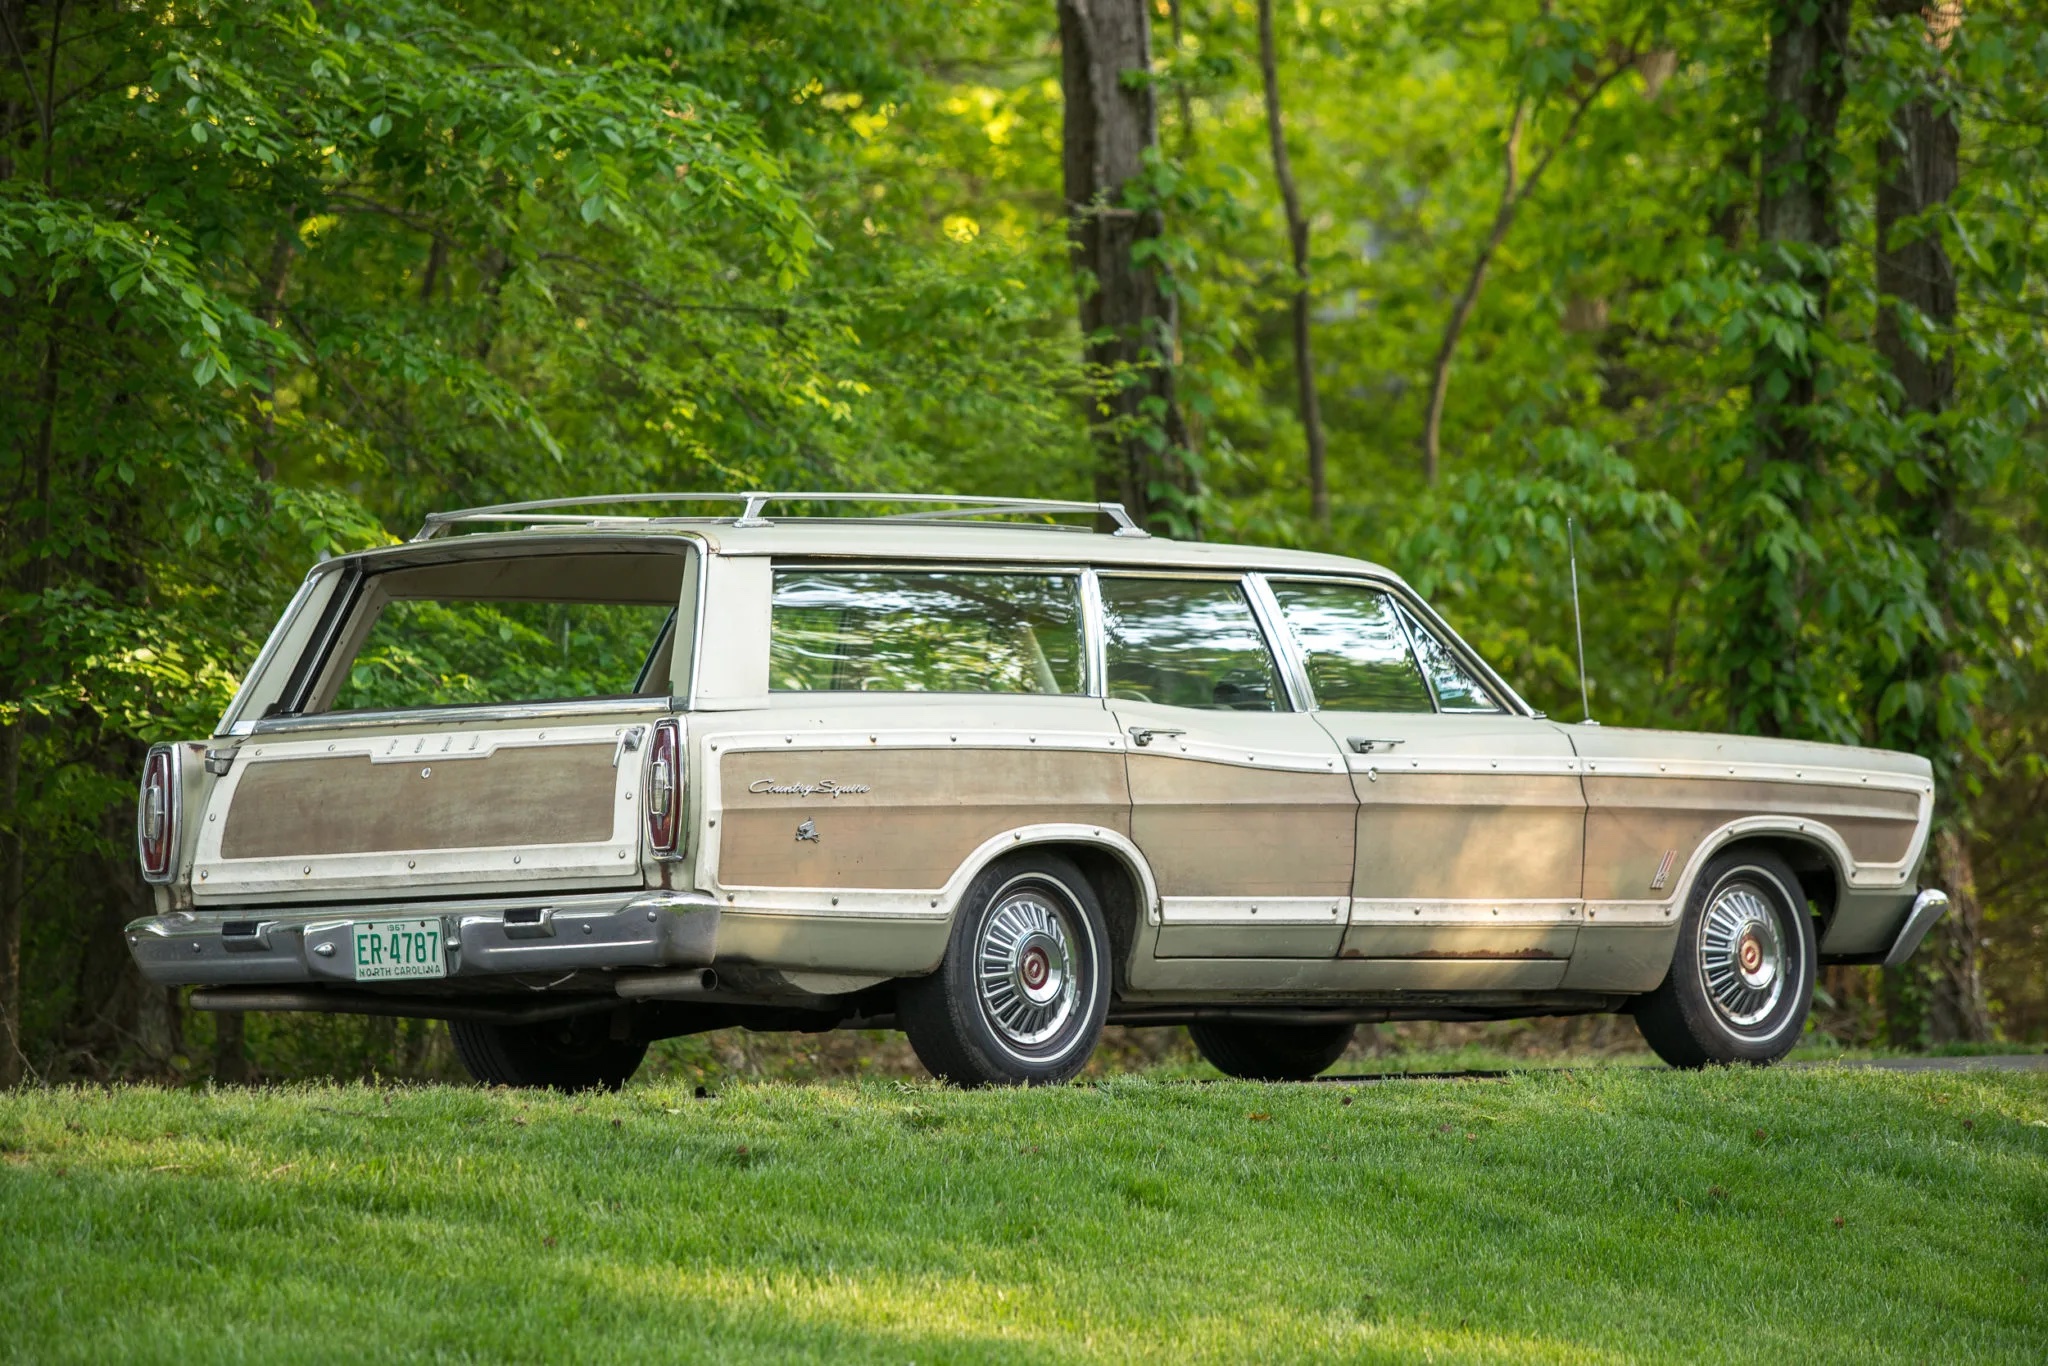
665 790
156 814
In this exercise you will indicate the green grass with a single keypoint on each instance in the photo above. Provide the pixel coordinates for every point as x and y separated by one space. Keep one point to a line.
1583 1215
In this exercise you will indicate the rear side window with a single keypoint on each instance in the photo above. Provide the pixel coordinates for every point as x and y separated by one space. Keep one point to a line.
918 631
1186 643
1354 646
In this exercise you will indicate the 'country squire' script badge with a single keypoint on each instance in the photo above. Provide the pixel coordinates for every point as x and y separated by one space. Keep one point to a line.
823 788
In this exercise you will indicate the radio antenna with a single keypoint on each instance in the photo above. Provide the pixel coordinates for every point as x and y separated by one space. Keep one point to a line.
1578 624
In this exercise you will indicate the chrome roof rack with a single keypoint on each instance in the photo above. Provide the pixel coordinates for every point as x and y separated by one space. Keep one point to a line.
942 508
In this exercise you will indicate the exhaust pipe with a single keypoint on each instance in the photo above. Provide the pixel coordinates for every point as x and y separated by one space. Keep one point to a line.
693 983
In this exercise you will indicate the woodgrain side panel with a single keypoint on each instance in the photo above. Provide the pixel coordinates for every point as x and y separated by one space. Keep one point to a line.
313 807
1213 829
1455 836
1633 821
924 810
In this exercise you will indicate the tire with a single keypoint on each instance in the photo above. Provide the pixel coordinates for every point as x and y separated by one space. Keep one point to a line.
1265 1052
1021 994
1741 976
577 1054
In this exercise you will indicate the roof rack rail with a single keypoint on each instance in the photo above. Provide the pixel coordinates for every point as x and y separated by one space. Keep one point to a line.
945 507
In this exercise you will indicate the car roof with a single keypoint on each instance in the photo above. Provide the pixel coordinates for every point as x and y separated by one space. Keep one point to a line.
862 539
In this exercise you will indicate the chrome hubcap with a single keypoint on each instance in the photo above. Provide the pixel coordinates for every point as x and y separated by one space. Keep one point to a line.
1025 968
1742 955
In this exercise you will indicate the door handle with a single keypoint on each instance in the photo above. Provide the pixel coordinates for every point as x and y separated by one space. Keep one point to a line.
629 742
1360 745
1145 735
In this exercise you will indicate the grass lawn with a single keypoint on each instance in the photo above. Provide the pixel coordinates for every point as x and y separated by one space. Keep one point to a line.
1583 1215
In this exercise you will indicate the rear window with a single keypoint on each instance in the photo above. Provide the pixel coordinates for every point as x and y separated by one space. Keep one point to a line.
533 629
917 631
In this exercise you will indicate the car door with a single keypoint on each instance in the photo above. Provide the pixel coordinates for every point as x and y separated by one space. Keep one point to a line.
1239 800
1471 817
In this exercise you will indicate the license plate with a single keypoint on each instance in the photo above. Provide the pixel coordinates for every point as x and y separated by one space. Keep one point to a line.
390 949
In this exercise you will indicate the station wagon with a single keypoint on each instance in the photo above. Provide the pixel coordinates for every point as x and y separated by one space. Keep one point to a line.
575 780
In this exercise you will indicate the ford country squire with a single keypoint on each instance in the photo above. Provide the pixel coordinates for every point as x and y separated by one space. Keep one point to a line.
574 780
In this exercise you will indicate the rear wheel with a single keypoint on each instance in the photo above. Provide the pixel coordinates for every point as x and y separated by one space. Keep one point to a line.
577 1054
1023 989
1269 1052
1741 978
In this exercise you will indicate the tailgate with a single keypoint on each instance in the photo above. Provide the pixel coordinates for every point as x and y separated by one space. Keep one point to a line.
425 812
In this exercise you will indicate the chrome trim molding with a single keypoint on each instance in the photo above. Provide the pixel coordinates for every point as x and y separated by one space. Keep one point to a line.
512 711
1253 910
1392 912
1282 642
935 903
1928 907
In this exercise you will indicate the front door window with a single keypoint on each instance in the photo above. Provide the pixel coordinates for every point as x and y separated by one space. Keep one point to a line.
1354 648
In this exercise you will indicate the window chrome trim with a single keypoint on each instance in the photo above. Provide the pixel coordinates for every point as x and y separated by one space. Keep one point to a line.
1426 616
1096 629
509 711
1407 625
1281 639
271 645
306 672
1412 625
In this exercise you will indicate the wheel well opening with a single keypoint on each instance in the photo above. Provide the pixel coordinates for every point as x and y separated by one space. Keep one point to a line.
1117 887
1819 880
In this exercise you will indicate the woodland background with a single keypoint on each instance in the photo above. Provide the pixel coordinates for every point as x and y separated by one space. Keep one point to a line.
1757 293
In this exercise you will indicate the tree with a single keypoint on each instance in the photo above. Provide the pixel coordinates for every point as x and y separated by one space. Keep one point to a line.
1587 74
1306 401
1928 700
1128 307
1786 494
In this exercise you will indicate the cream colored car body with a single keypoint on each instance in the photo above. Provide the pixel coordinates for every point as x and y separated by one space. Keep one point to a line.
1447 865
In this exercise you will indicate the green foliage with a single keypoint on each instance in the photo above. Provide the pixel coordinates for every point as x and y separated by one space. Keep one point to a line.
279 278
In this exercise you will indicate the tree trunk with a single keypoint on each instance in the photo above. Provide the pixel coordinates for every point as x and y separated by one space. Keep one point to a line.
1762 600
1916 284
1795 205
1297 239
1128 315
13 890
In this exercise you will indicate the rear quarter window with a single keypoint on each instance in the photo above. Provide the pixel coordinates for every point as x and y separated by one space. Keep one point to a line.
925 631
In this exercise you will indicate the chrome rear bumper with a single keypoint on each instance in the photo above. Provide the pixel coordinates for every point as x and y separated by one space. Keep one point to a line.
1928 907
254 946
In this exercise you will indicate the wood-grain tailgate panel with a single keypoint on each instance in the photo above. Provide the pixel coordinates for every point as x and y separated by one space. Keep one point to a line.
538 794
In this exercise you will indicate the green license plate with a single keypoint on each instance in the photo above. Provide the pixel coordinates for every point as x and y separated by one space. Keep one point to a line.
387 950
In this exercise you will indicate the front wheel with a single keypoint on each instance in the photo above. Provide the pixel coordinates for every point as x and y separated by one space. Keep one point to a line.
1741 978
577 1054
1023 989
